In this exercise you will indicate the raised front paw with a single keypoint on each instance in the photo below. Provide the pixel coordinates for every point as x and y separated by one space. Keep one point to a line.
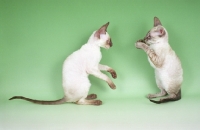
111 84
141 40
139 45
113 73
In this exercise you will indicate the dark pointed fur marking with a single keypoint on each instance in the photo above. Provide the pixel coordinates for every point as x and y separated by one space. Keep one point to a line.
178 97
55 102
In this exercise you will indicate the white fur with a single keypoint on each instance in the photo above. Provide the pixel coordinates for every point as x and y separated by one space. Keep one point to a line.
79 65
170 74
76 69
167 66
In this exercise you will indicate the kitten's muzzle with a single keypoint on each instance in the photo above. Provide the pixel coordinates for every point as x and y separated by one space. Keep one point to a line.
109 42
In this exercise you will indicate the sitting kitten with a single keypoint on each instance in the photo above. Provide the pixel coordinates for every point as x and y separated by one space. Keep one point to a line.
163 59
78 66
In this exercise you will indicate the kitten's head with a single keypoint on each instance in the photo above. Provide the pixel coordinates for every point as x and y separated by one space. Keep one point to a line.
157 34
102 38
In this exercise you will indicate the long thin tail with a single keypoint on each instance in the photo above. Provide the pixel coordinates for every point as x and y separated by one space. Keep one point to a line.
164 100
55 102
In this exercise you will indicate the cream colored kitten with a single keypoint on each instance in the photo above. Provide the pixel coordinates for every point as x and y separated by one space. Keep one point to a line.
78 66
163 59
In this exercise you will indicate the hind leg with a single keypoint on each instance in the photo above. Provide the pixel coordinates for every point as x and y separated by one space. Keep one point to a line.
91 96
170 96
160 94
173 95
89 102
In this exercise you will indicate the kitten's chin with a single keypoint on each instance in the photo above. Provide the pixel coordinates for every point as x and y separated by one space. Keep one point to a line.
107 47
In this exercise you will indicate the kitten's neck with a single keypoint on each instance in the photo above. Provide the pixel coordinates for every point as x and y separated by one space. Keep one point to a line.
91 44
161 47
92 38
93 41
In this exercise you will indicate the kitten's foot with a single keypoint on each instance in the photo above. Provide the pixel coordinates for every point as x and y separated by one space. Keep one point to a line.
89 102
160 94
97 102
91 96
112 85
113 73
150 96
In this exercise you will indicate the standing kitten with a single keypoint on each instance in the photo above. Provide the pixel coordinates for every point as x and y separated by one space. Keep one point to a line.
78 66
163 59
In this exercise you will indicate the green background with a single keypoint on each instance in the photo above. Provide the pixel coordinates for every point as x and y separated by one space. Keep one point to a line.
37 35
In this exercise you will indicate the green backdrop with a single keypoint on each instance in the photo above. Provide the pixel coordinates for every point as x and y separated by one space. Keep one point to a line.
37 35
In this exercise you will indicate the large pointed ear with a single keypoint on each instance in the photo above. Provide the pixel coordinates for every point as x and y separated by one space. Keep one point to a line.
157 22
160 31
102 30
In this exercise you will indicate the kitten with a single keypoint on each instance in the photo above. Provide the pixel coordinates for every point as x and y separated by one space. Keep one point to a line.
78 66
163 59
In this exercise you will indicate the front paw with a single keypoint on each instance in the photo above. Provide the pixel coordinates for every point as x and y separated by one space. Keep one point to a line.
139 45
141 40
113 73
112 85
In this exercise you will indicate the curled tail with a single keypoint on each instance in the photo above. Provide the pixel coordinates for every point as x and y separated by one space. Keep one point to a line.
55 102
168 99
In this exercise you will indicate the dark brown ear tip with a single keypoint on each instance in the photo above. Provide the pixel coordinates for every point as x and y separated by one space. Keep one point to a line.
107 23
155 18
157 21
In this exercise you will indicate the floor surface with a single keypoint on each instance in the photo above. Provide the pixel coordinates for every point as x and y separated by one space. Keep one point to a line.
114 114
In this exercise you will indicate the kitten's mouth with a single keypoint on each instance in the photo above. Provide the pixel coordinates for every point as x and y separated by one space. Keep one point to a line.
109 43
107 46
